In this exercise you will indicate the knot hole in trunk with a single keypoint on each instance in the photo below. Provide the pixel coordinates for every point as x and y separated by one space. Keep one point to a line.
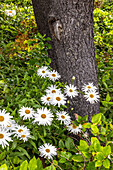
55 26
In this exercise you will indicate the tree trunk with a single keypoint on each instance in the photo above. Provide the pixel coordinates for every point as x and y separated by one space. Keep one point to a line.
69 23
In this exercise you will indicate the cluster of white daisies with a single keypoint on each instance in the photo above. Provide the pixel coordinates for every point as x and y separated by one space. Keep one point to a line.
9 127
54 95
43 116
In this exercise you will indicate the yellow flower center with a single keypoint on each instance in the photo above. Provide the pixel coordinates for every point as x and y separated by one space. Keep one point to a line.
48 98
91 95
74 127
27 111
1 118
53 91
58 98
43 116
70 90
10 11
43 71
20 130
54 75
62 116
89 87
1 136
23 136
47 150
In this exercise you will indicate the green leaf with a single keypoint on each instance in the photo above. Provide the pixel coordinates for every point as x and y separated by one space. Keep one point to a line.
41 137
98 163
85 118
61 144
39 164
24 165
2 155
103 130
108 98
69 143
14 145
32 164
78 118
106 104
102 138
96 118
107 150
78 158
55 162
3 167
65 154
97 147
87 125
83 145
91 166
106 163
62 160
16 160
51 167
86 154
33 144
23 151
94 129
100 156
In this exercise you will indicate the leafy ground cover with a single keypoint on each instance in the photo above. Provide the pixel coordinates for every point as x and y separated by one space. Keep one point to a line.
23 52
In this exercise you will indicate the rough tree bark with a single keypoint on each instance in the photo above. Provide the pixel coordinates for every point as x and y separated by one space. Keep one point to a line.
69 23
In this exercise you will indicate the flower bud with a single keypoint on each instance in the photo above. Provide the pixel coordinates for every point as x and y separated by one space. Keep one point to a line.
73 78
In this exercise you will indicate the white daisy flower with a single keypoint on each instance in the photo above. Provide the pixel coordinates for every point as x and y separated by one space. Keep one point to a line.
64 117
43 117
43 71
92 97
19 130
59 99
12 125
26 112
47 151
73 129
46 99
88 87
52 90
5 118
54 75
24 136
5 137
10 13
71 91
